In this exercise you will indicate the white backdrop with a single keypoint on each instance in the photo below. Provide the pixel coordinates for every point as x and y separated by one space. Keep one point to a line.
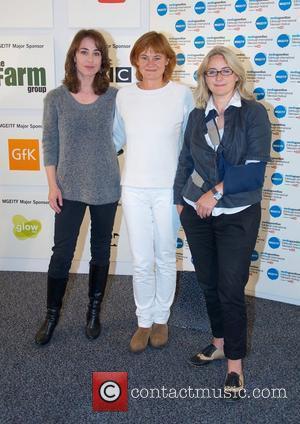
33 43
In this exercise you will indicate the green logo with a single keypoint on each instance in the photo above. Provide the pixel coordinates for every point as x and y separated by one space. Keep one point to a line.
24 229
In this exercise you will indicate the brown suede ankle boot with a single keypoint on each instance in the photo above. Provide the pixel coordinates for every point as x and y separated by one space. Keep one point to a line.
159 335
140 340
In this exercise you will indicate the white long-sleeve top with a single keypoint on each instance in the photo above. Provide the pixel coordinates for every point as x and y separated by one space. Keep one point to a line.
151 123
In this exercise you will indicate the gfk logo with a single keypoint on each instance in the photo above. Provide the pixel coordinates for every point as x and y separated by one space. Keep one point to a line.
23 155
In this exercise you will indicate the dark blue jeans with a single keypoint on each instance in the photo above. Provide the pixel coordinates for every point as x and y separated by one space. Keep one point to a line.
66 230
221 248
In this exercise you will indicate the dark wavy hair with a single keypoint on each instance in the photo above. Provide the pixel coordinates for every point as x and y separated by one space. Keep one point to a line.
157 42
101 79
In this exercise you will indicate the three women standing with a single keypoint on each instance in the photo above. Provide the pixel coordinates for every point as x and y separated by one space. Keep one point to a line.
82 171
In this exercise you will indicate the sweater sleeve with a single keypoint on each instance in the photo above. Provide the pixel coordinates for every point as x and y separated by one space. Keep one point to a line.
189 105
185 165
119 135
50 137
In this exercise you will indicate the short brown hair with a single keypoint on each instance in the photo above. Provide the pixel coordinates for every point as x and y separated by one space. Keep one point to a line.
101 79
158 42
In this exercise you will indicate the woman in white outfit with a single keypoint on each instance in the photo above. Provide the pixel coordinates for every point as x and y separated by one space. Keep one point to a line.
150 119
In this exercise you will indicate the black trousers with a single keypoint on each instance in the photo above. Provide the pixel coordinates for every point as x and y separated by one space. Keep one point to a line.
221 249
66 230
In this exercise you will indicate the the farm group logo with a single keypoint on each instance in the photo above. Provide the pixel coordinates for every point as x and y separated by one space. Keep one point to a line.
23 155
24 229
34 79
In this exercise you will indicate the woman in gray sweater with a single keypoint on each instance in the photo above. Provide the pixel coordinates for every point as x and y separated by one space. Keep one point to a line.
82 170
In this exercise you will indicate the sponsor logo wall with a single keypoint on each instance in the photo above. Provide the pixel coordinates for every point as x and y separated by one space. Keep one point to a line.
265 35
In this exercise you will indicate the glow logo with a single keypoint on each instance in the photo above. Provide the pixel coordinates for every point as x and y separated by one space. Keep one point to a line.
24 229
23 155
254 256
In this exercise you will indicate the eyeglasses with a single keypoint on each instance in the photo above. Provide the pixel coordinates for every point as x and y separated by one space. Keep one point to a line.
212 72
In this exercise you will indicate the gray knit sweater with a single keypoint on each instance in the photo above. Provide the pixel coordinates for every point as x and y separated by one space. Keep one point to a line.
77 139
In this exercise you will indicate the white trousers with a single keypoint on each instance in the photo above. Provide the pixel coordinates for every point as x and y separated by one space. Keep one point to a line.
152 222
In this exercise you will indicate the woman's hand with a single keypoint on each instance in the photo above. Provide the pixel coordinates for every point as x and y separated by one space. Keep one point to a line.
55 198
205 204
179 209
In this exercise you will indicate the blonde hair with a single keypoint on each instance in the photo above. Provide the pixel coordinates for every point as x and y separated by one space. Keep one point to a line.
202 92
158 43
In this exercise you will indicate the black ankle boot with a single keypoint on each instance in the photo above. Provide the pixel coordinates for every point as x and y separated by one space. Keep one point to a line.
97 283
56 288
44 334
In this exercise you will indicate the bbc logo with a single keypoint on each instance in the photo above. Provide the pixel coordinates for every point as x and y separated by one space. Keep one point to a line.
120 74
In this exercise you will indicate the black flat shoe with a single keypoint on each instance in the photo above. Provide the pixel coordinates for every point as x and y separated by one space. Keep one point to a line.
207 355
234 387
